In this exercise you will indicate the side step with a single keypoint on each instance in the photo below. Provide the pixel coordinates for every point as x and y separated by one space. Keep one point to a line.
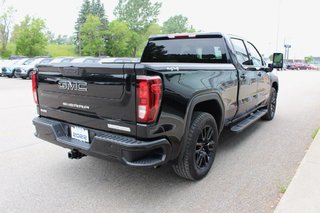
249 120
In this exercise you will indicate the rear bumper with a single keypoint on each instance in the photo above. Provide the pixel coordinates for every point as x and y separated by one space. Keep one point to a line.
105 145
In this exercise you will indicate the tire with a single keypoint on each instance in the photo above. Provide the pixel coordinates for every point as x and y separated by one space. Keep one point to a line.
196 160
272 105
30 74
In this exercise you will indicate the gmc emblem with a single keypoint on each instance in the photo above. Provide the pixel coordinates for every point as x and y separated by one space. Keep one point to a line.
73 86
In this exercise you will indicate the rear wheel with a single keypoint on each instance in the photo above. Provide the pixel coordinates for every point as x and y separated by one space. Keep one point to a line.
201 145
272 105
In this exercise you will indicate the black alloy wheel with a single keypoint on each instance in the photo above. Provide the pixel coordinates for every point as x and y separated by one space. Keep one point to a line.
204 147
199 149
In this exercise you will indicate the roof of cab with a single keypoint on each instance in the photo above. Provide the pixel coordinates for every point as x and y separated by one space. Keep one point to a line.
186 34
164 36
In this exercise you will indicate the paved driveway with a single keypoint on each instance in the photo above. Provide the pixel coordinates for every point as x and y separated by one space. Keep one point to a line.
36 176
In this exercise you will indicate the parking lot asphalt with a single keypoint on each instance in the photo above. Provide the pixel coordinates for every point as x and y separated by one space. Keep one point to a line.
249 170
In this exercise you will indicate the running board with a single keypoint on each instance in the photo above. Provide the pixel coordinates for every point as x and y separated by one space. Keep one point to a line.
249 120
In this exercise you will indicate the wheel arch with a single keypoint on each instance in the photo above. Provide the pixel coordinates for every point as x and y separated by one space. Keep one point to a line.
210 103
203 102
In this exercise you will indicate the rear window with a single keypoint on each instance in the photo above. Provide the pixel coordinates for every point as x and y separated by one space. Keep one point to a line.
190 50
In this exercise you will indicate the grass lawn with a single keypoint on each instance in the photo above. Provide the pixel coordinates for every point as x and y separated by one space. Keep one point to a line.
56 50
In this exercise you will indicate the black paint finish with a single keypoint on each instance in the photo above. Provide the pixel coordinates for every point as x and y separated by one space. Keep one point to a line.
230 91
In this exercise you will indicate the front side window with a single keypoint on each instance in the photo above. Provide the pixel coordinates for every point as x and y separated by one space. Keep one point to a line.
241 51
29 61
255 56
186 50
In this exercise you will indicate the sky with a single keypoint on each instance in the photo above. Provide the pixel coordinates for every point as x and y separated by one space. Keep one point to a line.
268 24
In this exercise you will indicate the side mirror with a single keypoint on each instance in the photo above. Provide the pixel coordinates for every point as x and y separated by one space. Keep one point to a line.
277 61
270 68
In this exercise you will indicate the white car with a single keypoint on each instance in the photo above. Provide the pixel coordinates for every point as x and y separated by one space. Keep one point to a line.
25 71
9 66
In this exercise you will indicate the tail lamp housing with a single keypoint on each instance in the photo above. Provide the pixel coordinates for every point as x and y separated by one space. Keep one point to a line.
149 94
34 78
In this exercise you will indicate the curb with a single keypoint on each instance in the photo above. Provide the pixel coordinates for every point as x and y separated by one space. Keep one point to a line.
303 193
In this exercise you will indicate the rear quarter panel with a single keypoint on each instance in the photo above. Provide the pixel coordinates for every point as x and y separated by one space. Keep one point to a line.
180 88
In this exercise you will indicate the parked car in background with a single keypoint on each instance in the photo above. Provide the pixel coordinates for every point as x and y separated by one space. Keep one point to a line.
61 60
17 57
9 67
312 67
119 60
302 67
4 64
86 60
25 71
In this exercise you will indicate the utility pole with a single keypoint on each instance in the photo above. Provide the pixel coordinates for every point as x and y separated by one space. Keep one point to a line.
286 52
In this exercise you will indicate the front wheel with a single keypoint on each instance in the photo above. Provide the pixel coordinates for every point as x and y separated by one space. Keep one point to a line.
30 74
201 145
272 105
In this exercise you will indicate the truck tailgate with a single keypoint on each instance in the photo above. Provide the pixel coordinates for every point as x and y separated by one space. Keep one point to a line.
97 96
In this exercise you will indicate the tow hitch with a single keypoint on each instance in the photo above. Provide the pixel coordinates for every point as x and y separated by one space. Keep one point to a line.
75 154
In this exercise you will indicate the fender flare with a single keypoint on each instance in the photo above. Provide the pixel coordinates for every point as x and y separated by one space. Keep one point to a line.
209 96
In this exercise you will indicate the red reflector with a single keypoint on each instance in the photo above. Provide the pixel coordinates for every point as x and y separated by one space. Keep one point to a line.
149 94
181 36
34 87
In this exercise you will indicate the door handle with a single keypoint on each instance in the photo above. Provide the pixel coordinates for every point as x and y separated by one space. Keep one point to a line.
259 74
243 76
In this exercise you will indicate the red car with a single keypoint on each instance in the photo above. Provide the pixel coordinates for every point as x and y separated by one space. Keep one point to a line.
302 67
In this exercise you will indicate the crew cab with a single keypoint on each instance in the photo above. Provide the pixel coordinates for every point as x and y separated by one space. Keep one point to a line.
169 108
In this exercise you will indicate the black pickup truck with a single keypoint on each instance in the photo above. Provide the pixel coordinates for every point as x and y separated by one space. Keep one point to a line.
169 108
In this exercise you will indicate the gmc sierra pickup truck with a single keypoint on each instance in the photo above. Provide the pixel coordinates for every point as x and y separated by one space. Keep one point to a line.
169 108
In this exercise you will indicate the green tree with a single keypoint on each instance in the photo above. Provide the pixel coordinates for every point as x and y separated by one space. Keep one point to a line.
141 40
30 37
176 24
308 59
119 37
139 14
50 36
153 29
92 36
96 8
6 20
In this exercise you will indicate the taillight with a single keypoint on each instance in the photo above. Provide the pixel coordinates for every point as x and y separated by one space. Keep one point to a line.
149 94
34 87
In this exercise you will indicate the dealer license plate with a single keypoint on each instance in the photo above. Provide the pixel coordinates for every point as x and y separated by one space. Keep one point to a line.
80 134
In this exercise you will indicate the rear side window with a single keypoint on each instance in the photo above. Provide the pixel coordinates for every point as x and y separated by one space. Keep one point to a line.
189 50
